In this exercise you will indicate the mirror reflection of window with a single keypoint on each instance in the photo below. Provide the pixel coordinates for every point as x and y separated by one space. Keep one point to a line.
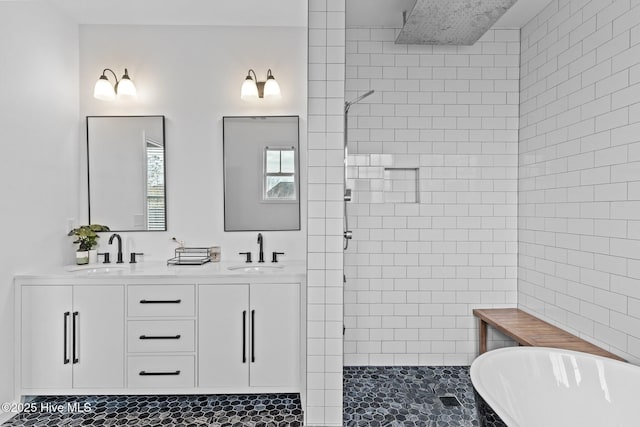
279 174
155 185
126 172
261 173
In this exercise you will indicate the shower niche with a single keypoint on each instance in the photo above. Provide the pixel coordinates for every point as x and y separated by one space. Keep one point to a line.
401 185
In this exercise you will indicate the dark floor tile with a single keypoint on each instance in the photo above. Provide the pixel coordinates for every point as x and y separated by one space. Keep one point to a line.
373 397
147 411
407 396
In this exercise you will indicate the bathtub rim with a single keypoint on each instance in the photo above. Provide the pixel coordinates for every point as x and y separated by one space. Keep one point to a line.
480 388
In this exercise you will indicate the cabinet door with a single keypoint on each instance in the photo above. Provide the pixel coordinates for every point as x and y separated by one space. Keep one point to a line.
223 336
275 335
45 358
99 336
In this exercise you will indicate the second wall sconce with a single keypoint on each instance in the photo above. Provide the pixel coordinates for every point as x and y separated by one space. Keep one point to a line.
105 91
253 89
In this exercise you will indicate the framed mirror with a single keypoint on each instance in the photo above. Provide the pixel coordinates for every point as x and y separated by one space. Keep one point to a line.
261 173
126 168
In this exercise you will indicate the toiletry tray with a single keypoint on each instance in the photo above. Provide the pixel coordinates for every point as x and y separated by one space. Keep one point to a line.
194 256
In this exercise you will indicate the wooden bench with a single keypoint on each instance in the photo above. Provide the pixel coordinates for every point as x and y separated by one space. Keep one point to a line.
530 331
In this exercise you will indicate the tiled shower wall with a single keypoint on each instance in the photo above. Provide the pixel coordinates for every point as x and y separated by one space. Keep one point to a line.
579 187
325 181
433 168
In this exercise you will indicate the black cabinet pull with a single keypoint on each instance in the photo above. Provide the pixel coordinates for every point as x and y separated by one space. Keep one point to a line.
66 321
160 301
74 338
148 374
253 333
244 336
159 337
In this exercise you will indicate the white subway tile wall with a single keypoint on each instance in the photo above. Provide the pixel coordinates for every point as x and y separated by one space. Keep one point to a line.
579 204
442 125
325 212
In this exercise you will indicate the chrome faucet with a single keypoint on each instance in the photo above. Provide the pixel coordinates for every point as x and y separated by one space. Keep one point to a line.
261 256
119 261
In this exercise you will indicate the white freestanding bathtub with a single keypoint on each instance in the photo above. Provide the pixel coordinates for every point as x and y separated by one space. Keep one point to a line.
547 387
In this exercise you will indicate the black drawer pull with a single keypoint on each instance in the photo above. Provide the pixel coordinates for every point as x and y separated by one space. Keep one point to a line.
160 301
147 374
160 337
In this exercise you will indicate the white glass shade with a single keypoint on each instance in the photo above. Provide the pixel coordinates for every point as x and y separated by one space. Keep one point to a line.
103 90
271 88
249 89
126 88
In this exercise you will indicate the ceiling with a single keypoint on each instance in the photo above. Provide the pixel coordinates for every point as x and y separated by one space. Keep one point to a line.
272 13
388 13
284 13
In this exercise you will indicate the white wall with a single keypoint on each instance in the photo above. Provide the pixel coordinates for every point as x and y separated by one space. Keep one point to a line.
415 271
192 75
325 173
579 186
38 151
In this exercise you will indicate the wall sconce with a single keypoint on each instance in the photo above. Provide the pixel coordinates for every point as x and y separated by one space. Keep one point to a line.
124 88
252 88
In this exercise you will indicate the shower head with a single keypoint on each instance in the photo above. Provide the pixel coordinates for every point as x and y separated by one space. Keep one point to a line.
348 105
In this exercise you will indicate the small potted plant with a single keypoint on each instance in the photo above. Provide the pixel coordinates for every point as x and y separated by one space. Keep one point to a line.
87 237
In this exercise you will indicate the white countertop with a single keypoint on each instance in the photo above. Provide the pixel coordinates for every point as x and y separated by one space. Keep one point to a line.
245 272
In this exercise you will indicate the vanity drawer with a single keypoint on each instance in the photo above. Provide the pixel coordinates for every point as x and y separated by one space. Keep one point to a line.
149 336
160 371
161 300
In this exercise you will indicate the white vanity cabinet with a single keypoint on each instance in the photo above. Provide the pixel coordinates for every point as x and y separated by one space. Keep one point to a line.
72 336
154 329
249 336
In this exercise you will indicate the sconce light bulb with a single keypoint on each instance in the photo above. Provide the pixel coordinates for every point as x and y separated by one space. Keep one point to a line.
125 87
249 89
271 88
103 89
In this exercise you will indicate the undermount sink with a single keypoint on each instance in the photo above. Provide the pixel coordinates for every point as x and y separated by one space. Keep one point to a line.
94 269
254 268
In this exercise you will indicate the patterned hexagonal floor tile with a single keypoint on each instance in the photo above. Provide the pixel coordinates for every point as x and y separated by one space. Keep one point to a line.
374 396
379 396
197 410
